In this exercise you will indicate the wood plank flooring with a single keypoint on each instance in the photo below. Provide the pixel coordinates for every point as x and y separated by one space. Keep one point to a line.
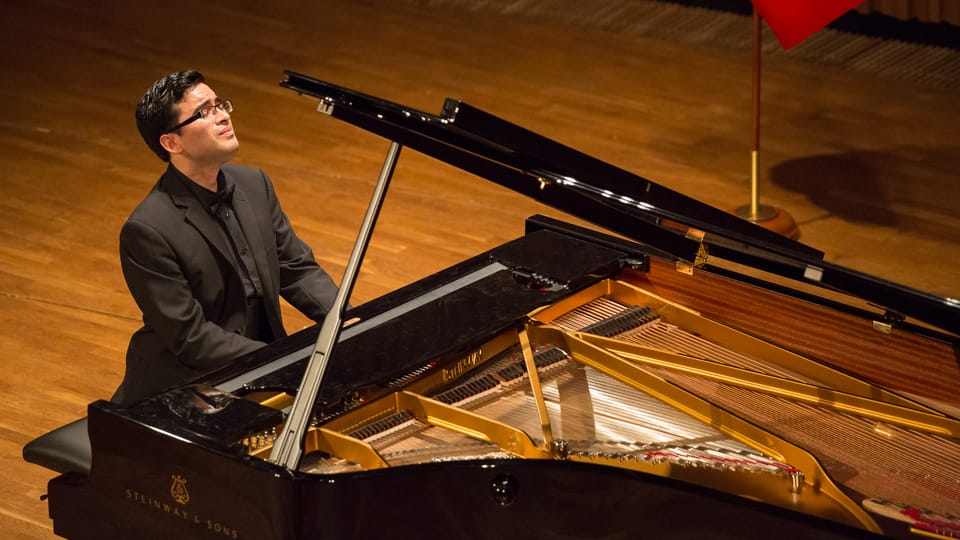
867 165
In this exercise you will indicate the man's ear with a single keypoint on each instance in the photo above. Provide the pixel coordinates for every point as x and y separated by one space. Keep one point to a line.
171 143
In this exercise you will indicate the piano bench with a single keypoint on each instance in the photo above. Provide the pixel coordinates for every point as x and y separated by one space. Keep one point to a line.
65 449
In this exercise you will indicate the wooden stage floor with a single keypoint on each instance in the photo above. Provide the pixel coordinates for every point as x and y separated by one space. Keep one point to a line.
868 165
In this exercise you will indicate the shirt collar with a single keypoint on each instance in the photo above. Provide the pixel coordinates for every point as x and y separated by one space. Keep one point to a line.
211 200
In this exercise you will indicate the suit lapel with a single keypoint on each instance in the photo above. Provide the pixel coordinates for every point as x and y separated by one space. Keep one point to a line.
195 214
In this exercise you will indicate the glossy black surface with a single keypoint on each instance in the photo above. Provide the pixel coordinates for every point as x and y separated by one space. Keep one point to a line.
542 169
478 499
544 499
138 469
433 322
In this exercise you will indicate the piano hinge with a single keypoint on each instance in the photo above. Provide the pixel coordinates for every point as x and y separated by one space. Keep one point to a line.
699 261
325 106
544 182
886 323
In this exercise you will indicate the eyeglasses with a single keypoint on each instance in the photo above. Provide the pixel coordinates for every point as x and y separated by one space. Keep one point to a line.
205 112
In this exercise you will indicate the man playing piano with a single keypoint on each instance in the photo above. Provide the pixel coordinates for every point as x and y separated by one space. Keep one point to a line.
208 252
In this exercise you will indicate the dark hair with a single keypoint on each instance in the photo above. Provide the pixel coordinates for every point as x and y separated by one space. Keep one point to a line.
156 111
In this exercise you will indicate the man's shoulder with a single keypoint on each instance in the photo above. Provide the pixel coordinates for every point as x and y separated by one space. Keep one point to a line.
166 200
252 182
157 201
244 174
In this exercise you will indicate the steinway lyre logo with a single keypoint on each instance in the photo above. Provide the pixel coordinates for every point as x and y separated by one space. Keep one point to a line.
179 489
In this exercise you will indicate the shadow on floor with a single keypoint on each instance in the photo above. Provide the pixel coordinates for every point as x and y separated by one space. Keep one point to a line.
906 188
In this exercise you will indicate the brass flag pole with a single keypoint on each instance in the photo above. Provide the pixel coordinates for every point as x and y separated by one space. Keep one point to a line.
764 215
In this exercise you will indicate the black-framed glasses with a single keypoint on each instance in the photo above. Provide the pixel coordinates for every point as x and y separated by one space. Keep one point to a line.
205 112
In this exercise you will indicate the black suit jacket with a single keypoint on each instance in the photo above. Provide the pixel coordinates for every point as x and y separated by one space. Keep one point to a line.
180 268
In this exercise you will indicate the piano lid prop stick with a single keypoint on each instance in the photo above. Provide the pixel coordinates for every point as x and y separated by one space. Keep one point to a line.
288 447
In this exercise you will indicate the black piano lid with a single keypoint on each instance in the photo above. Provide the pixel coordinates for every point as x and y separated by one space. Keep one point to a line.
635 207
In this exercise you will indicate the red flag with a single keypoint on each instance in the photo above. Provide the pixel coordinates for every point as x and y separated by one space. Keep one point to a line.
794 20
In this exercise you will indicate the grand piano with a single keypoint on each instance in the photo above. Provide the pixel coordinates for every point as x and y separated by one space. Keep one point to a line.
675 372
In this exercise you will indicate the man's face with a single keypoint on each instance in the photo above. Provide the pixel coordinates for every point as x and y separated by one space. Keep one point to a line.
206 141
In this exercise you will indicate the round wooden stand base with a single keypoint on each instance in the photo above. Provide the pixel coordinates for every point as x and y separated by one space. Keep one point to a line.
771 218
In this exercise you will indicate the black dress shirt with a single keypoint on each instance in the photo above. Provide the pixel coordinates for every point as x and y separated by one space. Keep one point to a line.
220 205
